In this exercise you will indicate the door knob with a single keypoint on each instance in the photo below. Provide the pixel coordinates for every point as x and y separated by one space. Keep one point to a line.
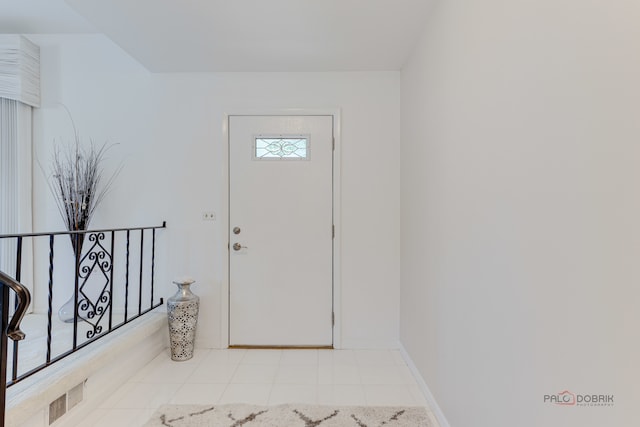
238 246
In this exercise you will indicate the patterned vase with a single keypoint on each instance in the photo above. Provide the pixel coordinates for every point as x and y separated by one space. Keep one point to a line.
182 311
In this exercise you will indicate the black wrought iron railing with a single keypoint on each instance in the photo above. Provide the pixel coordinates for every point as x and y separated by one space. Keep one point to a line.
9 328
105 276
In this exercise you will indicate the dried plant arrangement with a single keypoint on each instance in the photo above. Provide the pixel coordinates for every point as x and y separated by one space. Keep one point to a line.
78 182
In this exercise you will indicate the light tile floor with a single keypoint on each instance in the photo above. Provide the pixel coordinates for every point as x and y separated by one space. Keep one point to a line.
263 377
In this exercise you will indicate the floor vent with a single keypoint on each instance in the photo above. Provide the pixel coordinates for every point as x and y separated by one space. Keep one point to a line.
66 402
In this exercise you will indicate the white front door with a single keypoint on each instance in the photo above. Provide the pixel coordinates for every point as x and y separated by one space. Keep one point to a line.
280 230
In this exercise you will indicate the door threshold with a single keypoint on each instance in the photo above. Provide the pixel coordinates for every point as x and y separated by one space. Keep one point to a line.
281 347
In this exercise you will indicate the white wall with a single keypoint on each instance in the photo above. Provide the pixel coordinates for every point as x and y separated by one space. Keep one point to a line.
170 136
520 207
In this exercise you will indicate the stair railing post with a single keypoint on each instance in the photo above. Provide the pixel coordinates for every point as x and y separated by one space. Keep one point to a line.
4 324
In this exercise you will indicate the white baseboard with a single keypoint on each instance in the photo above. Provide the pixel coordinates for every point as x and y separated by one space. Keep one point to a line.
433 405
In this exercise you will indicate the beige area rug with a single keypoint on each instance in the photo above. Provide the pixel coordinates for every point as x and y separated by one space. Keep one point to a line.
240 415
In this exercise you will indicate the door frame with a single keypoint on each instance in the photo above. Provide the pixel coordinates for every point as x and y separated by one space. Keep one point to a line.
225 219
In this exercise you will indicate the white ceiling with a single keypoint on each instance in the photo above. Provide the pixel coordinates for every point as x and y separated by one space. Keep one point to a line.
237 35
41 17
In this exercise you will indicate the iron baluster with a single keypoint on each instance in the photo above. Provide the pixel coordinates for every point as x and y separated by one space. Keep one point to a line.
113 239
126 282
50 298
141 265
14 370
153 258
77 252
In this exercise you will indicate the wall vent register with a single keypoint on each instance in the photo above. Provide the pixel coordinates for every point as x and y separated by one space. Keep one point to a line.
281 148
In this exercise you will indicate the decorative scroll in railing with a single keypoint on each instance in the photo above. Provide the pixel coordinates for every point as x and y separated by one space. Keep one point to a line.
82 291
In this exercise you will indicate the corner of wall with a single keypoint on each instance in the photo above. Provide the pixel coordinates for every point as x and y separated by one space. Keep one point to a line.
424 388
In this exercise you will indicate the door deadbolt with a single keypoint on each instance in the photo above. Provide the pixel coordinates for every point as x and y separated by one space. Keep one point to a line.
236 230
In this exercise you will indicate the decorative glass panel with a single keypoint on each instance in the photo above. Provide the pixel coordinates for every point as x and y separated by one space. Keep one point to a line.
282 148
